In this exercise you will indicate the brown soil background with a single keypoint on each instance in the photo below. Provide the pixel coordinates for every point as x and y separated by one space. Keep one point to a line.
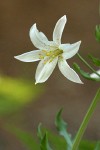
16 18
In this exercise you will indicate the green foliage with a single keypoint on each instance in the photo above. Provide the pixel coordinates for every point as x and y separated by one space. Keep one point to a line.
57 142
97 33
97 146
62 126
44 144
39 132
52 137
14 93
86 75
86 120
96 61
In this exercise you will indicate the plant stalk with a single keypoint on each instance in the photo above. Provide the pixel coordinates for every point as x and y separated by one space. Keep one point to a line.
86 121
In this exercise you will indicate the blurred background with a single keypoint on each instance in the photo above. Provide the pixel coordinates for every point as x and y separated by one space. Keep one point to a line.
24 104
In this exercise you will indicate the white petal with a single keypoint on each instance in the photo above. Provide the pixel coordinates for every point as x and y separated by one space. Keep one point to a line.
45 69
68 72
70 50
93 75
39 39
43 37
65 47
29 56
58 30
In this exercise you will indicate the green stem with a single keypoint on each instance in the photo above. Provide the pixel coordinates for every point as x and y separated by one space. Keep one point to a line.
86 121
83 60
68 140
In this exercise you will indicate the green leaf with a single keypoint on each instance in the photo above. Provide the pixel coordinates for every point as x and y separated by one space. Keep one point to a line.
39 132
97 32
97 146
96 61
62 126
44 143
57 141
25 137
86 75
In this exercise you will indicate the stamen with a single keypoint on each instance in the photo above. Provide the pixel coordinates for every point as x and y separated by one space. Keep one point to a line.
44 51
48 54
41 57
45 61
51 55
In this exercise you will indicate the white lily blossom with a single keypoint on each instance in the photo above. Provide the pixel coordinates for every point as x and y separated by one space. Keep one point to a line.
50 53
93 75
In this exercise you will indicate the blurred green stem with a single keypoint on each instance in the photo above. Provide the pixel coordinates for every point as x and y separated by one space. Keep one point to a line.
86 121
84 61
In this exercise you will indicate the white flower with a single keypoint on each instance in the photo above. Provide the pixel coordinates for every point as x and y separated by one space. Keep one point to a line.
51 52
95 76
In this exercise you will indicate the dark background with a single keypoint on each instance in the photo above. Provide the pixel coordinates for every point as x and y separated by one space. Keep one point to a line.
16 18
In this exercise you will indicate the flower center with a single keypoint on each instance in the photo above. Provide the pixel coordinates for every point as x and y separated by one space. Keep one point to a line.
51 54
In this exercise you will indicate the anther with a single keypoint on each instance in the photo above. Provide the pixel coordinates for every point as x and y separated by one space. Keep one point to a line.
44 51
41 56
48 54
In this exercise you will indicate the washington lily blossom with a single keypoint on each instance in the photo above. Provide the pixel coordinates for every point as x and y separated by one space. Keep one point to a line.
93 75
50 53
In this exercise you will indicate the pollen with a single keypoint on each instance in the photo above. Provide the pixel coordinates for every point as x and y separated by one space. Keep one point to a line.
41 56
48 53
53 54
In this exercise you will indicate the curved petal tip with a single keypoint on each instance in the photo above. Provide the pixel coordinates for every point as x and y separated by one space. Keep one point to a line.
64 17
16 57
33 26
78 43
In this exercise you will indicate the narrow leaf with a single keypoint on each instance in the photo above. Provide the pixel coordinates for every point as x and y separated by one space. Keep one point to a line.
39 132
58 142
97 32
86 75
62 126
44 143
96 61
